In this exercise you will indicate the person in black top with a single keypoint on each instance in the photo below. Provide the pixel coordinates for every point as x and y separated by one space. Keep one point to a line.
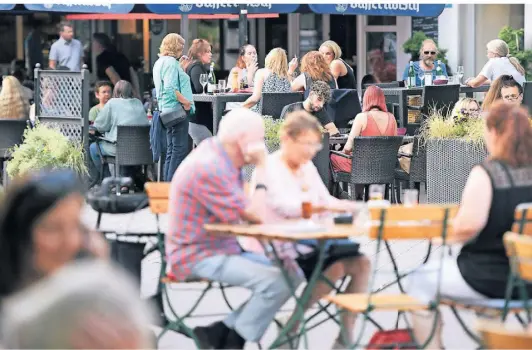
200 54
319 95
343 73
492 192
113 65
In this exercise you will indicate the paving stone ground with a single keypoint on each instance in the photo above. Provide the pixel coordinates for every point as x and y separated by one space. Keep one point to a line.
408 255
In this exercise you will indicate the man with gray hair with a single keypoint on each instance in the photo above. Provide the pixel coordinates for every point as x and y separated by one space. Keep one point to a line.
318 97
208 188
87 305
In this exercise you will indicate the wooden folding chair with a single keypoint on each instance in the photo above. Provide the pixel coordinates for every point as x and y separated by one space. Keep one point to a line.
158 193
495 308
398 223
495 336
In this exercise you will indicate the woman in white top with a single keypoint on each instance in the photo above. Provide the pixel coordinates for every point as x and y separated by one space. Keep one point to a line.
246 65
500 62
289 172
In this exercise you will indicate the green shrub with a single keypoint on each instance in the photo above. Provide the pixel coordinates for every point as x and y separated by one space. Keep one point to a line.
45 148
515 39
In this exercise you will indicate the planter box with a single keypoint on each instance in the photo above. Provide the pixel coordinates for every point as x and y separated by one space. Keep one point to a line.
449 163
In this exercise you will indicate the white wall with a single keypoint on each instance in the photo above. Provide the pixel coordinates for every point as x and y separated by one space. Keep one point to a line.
448 34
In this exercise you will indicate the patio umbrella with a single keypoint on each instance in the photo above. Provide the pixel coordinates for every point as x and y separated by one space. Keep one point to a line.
110 8
7 7
224 9
389 9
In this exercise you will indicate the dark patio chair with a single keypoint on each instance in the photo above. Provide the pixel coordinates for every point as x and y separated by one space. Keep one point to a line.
274 102
373 162
527 95
439 97
11 133
321 160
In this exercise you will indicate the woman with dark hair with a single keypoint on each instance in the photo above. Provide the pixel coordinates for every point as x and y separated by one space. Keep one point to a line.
122 109
493 191
41 228
200 54
313 68
504 88
111 64
375 120
246 65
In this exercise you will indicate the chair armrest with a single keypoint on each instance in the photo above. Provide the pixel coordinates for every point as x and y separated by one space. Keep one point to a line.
341 154
101 138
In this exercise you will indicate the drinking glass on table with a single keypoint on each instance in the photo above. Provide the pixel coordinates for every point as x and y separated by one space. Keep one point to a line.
460 73
203 79
410 198
222 85
376 192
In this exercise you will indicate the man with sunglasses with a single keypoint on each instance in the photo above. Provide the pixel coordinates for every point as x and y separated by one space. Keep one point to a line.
426 63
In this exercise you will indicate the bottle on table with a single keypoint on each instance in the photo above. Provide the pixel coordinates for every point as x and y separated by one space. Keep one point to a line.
235 84
439 71
411 75
211 80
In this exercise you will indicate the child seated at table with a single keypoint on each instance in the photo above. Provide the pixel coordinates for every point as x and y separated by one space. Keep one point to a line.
103 91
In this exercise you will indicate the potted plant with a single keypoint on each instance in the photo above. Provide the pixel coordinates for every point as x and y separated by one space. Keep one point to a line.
271 136
454 146
45 148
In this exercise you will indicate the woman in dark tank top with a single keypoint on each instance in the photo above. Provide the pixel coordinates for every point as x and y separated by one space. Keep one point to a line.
342 72
492 192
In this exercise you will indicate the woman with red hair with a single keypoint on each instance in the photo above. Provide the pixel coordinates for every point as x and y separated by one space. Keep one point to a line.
375 120
313 68
492 192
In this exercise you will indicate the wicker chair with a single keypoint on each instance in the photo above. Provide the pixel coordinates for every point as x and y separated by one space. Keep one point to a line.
274 102
11 132
418 170
343 107
373 162
132 148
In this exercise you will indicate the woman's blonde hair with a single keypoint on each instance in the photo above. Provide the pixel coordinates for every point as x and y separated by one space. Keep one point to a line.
316 67
501 49
463 103
277 62
172 45
298 122
13 103
333 46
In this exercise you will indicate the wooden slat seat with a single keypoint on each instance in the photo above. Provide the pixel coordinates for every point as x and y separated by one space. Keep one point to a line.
158 193
523 219
488 307
379 302
496 336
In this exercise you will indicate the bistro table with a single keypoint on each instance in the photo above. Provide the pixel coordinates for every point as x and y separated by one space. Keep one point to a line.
219 102
400 95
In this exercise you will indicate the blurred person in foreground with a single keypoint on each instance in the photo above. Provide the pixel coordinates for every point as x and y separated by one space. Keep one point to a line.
208 188
492 192
86 305
504 88
291 175
41 229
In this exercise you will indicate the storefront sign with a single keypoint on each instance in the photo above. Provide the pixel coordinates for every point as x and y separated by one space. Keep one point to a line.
82 8
418 10
219 8
7 7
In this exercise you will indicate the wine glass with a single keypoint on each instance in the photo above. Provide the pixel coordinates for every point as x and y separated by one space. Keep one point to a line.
203 79
460 73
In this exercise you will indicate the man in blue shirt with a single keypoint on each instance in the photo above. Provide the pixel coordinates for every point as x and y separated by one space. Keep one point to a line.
427 55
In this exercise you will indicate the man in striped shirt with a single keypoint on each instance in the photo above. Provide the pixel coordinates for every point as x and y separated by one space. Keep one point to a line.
208 188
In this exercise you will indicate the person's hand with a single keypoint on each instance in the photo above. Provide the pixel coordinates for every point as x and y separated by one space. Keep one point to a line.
256 154
184 62
468 81
187 105
251 65
292 66
348 149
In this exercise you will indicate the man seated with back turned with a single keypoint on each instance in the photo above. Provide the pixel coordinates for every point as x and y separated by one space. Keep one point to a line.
208 188
319 95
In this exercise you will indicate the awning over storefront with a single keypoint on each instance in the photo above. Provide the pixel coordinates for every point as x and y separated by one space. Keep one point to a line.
7 7
389 9
110 8
166 9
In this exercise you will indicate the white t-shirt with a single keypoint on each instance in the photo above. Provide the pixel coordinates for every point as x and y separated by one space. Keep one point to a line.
498 66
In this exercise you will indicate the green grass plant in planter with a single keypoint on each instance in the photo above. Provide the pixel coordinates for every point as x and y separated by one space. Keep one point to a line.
454 147
272 128
45 148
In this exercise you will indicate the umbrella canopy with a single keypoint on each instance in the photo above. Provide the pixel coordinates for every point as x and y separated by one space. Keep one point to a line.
389 9
166 9
7 7
110 8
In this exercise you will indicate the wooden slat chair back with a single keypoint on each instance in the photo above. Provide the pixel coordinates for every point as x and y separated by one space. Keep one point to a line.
519 250
523 219
495 336
397 223
431 219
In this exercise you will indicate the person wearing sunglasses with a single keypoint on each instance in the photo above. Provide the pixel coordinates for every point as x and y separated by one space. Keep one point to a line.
504 88
427 62
41 229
